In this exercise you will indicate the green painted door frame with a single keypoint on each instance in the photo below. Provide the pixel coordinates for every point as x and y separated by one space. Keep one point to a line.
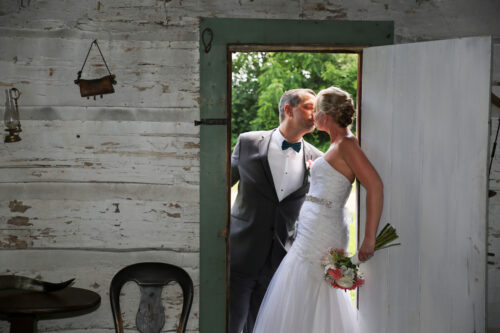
216 36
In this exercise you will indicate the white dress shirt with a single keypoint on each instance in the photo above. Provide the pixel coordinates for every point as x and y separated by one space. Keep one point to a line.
287 166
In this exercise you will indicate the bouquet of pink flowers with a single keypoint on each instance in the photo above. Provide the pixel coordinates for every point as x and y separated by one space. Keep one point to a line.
342 272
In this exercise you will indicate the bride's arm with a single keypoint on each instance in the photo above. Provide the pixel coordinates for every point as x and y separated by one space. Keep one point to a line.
367 175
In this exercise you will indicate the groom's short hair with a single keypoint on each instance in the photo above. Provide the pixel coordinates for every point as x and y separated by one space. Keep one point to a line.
293 98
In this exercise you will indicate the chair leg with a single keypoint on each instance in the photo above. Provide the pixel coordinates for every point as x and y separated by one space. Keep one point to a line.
23 324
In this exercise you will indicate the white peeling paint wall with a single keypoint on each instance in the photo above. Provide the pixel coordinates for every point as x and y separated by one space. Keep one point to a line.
96 185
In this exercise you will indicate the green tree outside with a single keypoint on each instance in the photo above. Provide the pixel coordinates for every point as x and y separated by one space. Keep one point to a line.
260 78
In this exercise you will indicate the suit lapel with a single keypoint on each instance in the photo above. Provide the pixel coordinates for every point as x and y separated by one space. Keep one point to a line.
307 157
263 151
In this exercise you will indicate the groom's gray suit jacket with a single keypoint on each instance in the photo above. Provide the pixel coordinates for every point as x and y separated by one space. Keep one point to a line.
260 224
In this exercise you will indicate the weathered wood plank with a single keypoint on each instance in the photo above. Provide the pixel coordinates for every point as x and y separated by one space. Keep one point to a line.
495 76
147 21
106 113
378 116
166 20
494 261
94 270
99 215
436 185
494 177
144 71
93 151
494 208
3 325
100 191
102 224
71 52
184 29
145 95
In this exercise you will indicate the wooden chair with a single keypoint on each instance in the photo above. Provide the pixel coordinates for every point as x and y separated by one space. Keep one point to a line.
151 278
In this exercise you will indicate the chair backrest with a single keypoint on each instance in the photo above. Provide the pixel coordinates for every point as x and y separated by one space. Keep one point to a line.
151 278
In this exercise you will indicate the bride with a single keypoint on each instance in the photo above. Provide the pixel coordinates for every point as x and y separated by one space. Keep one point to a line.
298 300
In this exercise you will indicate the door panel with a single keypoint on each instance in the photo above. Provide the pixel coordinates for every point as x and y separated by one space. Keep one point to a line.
217 35
425 112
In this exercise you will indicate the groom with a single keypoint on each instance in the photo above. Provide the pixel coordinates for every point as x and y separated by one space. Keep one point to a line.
271 169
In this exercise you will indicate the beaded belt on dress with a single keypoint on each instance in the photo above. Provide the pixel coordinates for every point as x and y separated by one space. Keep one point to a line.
320 201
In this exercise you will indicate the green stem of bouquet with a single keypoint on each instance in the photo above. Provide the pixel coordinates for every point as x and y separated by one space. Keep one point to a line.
386 231
386 235
385 247
384 239
383 229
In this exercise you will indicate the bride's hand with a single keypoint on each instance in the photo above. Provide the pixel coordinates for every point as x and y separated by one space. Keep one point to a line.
366 250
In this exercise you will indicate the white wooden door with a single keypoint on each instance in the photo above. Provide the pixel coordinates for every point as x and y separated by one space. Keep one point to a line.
424 126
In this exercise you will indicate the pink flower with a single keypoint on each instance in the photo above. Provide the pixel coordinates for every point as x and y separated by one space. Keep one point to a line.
335 273
358 282
309 164
308 167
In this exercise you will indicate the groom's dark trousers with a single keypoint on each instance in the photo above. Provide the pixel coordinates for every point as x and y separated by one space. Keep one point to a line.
260 225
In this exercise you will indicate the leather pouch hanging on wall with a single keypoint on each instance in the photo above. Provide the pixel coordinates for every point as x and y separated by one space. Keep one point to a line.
95 87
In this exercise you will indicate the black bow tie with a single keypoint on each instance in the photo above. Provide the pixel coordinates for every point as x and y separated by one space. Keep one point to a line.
295 146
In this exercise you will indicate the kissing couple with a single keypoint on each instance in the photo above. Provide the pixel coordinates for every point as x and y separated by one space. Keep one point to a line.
272 290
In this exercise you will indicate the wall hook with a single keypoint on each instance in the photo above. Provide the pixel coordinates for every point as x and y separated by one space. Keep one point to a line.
207 36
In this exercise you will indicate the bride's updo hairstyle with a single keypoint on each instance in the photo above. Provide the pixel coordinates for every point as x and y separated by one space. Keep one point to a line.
337 104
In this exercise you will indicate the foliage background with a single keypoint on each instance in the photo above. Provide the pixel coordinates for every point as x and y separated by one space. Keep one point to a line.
260 78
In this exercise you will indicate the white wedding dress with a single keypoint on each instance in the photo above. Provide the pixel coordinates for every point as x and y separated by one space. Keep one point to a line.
298 299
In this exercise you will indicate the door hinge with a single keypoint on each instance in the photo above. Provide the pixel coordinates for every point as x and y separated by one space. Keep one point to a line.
211 121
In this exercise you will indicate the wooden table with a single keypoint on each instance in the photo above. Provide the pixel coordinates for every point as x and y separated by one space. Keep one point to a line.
24 308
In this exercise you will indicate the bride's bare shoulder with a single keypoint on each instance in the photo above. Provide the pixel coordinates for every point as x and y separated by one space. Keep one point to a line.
348 142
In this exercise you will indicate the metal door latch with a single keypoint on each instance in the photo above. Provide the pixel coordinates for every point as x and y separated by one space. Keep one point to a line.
211 121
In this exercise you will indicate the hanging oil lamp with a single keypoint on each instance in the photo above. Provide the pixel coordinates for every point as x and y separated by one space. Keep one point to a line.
11 115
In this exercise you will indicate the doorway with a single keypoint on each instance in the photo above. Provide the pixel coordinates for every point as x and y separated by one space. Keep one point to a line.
218 39
258 79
